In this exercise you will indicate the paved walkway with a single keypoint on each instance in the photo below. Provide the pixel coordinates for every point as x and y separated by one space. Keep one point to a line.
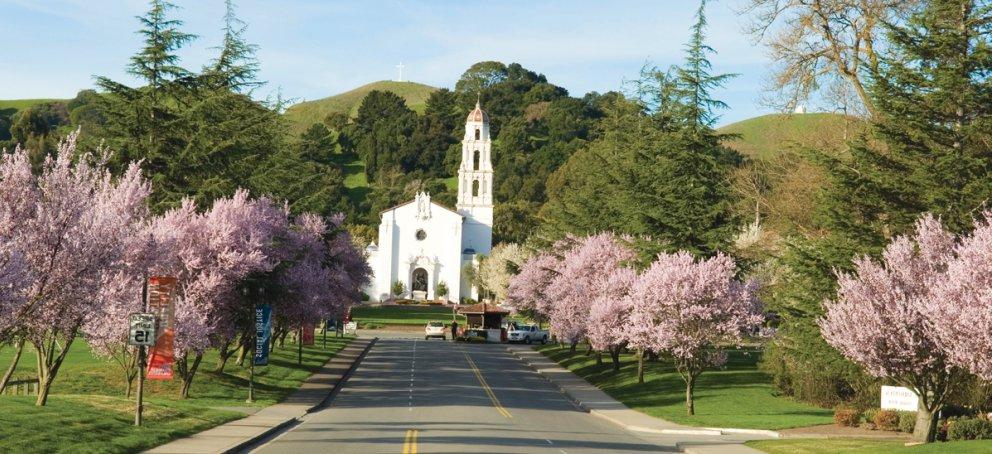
598 403
235 435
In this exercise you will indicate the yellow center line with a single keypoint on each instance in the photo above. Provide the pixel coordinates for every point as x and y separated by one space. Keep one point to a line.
410 442
485 386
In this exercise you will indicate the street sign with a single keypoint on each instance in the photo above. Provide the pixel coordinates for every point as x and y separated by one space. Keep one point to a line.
142 330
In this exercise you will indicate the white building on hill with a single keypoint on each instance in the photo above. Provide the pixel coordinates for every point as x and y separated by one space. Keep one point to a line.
422 243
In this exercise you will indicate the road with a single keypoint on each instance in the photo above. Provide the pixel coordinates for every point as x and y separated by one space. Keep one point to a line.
415 396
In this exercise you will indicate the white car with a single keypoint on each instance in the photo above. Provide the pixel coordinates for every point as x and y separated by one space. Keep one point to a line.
434 329
527 334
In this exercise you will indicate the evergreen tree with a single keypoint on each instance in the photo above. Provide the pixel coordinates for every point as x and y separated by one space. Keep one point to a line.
236 67
658 168
927 151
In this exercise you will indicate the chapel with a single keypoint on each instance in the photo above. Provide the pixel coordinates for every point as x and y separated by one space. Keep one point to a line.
424 244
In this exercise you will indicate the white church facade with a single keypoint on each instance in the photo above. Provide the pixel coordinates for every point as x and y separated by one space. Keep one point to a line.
423 244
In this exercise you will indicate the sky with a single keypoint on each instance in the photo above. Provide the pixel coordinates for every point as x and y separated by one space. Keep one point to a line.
309 49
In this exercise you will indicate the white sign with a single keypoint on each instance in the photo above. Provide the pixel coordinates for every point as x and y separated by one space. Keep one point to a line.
142 330
351 327
899 398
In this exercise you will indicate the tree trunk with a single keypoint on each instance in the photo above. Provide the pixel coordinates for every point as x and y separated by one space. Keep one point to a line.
690 383
188 376
223 354
640 366
299 347
572 348
926 425
599 358
242 354
49 366
18 348
588 349
615 356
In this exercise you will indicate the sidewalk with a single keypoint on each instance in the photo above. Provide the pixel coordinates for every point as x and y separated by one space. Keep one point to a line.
593 400
235 435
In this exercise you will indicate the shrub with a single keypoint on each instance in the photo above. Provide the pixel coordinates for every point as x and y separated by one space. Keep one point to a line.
907 421
869 416
886 420
844 416
969 429
398 288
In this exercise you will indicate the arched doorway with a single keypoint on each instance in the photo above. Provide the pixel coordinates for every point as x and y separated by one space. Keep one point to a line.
419 283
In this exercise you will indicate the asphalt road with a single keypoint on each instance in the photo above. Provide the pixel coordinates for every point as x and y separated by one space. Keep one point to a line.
415 396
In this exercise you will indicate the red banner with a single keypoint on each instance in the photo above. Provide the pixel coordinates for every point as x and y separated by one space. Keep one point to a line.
308 329
161 302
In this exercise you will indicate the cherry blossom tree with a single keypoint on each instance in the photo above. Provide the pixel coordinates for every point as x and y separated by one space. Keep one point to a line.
962 302
584 272
609 315
70 223
211 254
690 309
526 291
882 315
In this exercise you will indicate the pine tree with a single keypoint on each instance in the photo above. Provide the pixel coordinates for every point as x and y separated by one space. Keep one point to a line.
662 160
236 67
928 151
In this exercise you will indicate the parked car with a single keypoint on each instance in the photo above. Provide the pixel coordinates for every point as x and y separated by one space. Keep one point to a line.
527 334
434 329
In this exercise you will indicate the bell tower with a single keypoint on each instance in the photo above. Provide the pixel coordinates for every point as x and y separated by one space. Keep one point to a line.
475 183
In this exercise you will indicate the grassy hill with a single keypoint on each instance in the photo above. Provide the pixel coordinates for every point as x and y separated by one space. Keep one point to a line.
761 137
18 104
306 113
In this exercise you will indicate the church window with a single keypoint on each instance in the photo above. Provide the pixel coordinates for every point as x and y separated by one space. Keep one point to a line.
475 188
475 160
421 234
478 134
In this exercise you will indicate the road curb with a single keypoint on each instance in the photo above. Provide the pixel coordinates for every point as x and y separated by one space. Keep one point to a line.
244 445
710 431
344 378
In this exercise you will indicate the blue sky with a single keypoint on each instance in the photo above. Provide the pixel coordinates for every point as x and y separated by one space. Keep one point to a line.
310 49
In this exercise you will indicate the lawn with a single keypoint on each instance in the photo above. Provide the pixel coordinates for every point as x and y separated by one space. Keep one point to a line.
738 396
88 410
402 315
859 446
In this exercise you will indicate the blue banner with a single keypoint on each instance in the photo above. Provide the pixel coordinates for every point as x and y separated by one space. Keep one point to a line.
263 333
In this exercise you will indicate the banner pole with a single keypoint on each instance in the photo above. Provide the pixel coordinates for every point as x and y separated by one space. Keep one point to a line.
139 403
251 366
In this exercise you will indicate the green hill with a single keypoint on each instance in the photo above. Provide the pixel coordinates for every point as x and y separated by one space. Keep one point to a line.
18 104
304 114
761 137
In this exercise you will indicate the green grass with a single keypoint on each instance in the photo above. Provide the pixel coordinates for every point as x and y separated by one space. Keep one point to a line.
860 446
738 396
762 137
88 407
403 315
18 104
304 114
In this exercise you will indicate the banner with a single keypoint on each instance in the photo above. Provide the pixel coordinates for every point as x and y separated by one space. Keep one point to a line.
161 302
308 329
263 334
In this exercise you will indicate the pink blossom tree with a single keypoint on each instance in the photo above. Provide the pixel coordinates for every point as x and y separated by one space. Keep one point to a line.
962 302
526 290
211 254
584 273
691 309
609 314
70 224
881 317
